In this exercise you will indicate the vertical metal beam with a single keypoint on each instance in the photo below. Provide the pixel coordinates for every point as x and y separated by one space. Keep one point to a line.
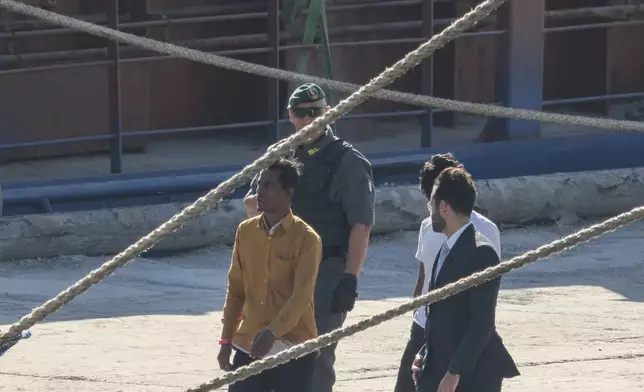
524 47
496 128
114 90
608 75
446 60
327 50
274 62
427 71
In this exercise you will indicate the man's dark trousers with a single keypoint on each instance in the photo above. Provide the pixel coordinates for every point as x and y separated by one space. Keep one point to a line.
482 383
405 382
293 376
329 274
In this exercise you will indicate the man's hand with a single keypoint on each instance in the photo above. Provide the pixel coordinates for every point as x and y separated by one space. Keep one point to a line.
415 368
224 357
250 202
262 343
345 294
449 382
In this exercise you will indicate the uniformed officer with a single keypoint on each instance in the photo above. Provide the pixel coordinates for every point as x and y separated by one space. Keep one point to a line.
336 197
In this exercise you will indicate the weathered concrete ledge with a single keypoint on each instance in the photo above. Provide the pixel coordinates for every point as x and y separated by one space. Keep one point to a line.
509 201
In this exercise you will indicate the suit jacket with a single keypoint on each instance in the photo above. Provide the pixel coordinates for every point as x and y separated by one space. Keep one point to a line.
460 332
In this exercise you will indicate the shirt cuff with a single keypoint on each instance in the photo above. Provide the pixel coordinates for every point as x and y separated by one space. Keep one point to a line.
275 329
452 371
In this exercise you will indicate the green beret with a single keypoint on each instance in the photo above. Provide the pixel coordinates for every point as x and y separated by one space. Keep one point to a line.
308 92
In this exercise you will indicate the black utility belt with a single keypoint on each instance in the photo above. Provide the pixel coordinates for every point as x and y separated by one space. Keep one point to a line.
333 251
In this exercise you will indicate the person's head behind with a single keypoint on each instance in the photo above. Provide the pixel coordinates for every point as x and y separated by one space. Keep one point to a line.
432 168
276 185
307 102
452 199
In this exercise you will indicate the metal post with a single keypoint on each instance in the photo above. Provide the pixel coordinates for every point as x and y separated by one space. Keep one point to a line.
610 71
274 62
427 71
496 128
114 91
523 87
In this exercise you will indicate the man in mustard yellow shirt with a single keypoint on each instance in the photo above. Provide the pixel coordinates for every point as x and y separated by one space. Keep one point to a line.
269 298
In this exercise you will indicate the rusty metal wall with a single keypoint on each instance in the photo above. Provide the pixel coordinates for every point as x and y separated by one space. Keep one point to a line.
625 56
160 94
187 94
62 103
65 103
475 60
359 64
572 66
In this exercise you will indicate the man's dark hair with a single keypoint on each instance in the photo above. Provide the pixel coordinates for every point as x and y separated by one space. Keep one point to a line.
432 168
455 186
289 170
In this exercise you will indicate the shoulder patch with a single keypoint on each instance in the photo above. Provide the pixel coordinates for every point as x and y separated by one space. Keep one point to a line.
370 185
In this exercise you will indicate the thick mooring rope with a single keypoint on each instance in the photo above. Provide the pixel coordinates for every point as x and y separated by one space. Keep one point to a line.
225 188
279 149
261 70
475 279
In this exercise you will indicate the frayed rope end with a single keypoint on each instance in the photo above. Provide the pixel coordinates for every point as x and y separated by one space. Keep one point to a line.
4 347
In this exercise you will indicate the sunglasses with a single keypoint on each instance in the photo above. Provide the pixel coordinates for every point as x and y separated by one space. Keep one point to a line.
303 112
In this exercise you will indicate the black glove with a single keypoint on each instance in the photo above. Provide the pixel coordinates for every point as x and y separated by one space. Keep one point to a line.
345 294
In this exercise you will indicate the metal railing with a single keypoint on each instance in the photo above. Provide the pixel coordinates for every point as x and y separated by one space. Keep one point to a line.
114 55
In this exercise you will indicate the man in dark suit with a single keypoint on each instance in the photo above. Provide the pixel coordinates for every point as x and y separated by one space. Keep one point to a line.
463 351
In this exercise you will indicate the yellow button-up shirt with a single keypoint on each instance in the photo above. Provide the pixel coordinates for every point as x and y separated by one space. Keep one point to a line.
271 281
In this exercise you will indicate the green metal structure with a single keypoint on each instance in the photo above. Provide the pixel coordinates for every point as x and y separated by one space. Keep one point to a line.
315 18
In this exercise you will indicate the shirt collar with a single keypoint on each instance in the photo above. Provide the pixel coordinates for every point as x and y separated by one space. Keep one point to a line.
320 144
286 222
451 241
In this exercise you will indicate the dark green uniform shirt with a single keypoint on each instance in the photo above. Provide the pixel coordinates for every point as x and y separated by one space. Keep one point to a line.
352 184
